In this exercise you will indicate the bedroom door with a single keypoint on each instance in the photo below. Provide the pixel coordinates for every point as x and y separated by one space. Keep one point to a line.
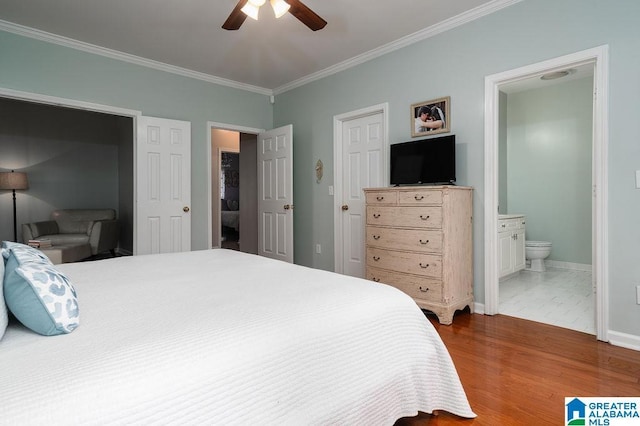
163 186
361 163
275 193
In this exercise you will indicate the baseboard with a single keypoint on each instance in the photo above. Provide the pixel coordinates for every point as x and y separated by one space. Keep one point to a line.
478 308
567 265
624 340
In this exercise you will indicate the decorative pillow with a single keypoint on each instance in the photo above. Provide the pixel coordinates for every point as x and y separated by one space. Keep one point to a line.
40 297
4 317
23 252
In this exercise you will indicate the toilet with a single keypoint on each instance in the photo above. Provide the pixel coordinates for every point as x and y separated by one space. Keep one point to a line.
537 252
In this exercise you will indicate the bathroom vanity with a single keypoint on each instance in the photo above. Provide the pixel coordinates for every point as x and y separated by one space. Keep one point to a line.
511 243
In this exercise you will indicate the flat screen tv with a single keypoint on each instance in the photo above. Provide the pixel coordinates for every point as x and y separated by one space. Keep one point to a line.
424 162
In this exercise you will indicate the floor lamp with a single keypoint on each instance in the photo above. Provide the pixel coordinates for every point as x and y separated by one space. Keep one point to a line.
14 180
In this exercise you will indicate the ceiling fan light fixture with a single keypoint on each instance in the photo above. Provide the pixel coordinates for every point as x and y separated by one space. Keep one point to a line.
280 7
251 10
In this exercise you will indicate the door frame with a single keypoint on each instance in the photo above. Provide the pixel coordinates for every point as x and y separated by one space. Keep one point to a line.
599 56
93 107
338 217
221 126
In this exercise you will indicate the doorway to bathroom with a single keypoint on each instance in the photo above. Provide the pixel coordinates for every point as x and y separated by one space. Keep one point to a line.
545 152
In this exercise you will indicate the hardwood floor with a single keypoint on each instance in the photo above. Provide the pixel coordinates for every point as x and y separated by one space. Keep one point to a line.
518 372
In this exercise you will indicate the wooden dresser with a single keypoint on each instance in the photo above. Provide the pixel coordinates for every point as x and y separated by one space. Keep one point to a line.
419 239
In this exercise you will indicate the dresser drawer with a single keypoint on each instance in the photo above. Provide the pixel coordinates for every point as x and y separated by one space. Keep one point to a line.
405 239
428 265
511 224
407 217
420 197
416 287
381 197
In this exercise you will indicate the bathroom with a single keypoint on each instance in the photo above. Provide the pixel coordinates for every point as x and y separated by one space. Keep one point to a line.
545 175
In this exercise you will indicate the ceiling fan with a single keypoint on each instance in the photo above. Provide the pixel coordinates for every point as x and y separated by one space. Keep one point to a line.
250 8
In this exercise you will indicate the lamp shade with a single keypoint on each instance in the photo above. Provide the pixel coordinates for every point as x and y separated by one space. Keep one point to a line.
251 10
280 7
13 180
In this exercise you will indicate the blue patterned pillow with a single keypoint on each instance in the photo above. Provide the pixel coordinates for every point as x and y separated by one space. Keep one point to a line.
23 251
40 297
4 317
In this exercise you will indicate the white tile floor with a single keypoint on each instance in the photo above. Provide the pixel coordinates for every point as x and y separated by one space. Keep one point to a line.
561 297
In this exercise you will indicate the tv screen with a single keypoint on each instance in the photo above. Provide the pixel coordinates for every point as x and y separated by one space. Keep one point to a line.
425 161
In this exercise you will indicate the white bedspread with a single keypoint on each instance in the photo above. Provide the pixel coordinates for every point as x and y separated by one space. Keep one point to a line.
221 337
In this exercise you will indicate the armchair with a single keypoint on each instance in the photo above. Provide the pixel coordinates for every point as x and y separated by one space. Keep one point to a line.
97 227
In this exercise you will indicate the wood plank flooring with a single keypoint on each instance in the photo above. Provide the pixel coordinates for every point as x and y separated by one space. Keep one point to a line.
518 372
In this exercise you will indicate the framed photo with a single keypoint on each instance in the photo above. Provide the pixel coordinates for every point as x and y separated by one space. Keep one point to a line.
430 117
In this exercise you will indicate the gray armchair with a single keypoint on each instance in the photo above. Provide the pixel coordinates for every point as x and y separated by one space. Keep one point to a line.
97 227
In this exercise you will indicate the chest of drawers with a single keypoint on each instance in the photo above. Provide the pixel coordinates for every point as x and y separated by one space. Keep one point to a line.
419 240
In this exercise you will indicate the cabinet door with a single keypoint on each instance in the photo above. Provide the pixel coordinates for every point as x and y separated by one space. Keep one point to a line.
504 243
518 251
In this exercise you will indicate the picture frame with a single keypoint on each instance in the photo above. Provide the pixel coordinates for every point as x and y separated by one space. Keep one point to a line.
437 110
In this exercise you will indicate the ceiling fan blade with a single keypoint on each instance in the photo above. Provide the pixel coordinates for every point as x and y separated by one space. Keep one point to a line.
306 15
236 17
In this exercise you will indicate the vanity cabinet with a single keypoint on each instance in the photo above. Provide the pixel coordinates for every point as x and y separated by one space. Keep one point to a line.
511 242
420 240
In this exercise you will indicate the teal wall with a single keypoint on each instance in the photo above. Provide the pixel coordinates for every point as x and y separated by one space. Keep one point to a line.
37 67
549 144
455 64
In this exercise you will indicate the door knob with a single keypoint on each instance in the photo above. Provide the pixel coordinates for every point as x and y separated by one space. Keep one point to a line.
345 207
287 206
185 209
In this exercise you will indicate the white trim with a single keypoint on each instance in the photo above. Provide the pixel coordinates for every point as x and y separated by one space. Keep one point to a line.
599 57
567 265
446 25
125 57
624 340
222 126
338 121
69 103
453 22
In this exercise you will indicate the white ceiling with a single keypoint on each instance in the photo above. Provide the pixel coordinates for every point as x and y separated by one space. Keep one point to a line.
266 54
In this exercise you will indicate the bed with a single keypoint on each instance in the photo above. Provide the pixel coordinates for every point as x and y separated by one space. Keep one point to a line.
223 337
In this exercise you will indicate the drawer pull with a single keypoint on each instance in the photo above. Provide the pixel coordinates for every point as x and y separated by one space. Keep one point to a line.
424 242
424 217
379 198
504 225
376 215
419 197
374 279
424 289
424 265
376 237
376 258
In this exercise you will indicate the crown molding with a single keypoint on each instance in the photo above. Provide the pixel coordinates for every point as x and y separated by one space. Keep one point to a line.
453 22
423 34
125 57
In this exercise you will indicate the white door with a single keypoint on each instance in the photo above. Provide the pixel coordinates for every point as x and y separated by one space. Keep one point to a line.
363 165
163 186
275 193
